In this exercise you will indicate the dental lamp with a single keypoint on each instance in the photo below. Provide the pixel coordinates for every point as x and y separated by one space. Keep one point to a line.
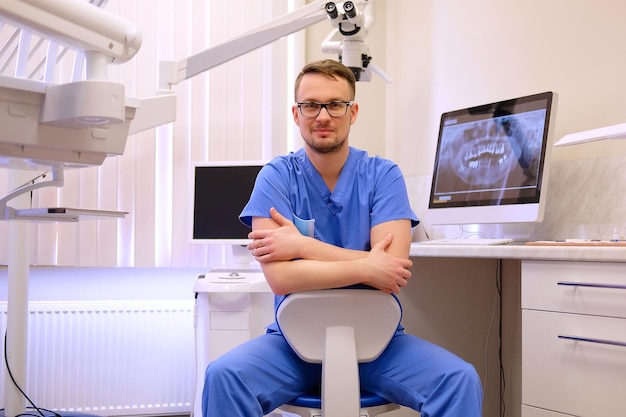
82 122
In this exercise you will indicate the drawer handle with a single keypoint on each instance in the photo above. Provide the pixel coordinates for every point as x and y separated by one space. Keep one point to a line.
590 285
592 340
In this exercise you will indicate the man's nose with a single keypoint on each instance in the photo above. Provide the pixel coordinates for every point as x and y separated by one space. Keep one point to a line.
324 114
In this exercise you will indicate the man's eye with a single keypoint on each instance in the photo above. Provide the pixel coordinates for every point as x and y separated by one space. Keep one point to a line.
335 105
310 106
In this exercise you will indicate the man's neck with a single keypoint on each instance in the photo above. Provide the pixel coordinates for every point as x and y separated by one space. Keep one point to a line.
329 165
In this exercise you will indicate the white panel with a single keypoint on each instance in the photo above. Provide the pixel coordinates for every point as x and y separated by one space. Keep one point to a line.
110 358
222 320
229 302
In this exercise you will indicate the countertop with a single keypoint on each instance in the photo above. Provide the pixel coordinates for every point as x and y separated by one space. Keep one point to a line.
592 253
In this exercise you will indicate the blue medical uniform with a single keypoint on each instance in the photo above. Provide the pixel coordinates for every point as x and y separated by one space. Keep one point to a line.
260 375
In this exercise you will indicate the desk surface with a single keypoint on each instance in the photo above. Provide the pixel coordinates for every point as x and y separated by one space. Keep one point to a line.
522 251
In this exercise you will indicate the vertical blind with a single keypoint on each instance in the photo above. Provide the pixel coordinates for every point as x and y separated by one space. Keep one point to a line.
239 110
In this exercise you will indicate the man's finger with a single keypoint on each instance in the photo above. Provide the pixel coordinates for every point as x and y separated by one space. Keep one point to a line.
279 218
386 241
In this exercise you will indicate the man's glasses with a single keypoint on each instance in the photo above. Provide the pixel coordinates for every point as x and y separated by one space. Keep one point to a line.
334 108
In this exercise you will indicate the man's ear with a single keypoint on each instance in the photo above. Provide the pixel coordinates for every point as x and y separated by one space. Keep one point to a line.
354 111
296 115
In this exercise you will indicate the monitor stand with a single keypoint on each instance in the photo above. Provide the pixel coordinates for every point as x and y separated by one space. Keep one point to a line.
239 260
518 232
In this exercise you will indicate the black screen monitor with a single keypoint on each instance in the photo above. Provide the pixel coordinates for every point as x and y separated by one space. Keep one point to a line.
221 190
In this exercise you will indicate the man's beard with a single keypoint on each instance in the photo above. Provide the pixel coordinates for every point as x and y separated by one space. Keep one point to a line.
324 146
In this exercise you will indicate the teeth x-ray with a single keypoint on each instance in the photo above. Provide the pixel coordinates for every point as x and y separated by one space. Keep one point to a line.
491 162
502 152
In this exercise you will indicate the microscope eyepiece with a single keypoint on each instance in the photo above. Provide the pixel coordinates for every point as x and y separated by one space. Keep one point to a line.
331 10
349 9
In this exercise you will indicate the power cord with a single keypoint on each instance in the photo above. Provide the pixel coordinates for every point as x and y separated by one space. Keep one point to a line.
489 332
502 376
39 410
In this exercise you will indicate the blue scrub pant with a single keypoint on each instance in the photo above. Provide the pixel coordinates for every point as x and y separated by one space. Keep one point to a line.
258 376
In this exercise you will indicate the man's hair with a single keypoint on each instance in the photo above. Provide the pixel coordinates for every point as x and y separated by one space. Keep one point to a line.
331 69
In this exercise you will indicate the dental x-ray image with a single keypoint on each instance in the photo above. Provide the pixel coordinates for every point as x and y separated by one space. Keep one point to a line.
490 154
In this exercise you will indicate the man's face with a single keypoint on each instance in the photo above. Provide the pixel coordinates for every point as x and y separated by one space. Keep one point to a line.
324 133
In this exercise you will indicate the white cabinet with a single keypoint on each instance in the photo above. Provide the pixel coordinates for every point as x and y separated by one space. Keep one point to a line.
231 308
573 339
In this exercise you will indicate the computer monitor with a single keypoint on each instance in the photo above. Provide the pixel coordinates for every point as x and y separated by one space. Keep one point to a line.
221 190
492 163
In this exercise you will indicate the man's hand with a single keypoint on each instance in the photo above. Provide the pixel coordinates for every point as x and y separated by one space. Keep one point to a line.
283 243
386 272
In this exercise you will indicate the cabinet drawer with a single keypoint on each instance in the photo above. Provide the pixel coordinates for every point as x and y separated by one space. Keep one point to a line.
582 378
597 288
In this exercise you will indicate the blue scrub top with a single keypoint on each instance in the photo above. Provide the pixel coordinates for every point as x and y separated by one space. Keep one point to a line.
370 191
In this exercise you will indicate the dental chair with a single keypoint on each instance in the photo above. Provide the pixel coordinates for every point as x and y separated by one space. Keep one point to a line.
339 328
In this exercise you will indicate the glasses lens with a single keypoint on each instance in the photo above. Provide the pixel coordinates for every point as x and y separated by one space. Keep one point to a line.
310 109
334 108
337 108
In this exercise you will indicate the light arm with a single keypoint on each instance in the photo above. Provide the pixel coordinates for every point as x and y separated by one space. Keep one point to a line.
77 24
353 25
172 72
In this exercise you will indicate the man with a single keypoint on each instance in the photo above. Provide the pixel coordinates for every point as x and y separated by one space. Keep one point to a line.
330 216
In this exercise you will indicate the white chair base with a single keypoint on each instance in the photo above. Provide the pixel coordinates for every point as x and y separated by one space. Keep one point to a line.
339 328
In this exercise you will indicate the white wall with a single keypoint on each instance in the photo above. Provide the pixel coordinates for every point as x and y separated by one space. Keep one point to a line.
449 54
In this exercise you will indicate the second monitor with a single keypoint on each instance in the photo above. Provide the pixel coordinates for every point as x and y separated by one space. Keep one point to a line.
492 162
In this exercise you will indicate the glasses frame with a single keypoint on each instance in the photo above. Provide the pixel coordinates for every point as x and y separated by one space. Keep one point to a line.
324 106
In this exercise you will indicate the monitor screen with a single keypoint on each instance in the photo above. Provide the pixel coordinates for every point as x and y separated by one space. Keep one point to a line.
491 162
221 190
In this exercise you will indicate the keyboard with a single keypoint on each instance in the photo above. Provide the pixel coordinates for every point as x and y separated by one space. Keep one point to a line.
467 241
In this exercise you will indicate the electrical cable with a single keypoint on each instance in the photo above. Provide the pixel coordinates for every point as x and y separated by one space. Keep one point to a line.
24 414
489 331
6 361
502 376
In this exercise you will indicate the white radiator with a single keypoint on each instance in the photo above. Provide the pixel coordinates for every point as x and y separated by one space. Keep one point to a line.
110 358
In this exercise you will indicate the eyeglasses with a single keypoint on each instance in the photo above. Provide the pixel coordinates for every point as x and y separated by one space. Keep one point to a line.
334 108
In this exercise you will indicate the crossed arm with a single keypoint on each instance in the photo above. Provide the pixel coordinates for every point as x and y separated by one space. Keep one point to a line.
293 262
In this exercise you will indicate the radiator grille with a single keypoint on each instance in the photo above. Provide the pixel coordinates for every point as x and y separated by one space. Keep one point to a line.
112 358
